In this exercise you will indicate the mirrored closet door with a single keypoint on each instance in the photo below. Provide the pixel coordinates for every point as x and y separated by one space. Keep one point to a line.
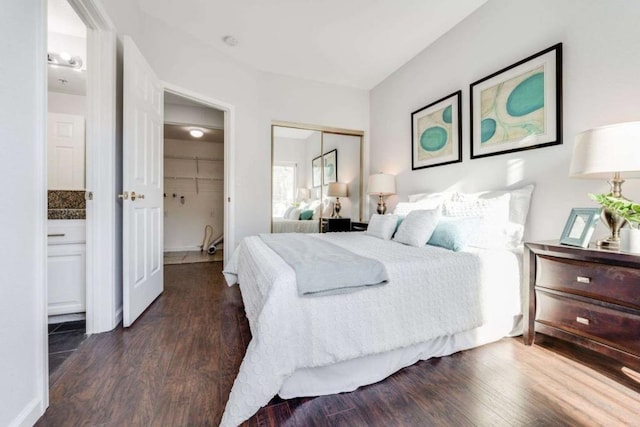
316 174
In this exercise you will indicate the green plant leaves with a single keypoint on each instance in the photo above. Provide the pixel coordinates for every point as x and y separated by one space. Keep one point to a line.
622 207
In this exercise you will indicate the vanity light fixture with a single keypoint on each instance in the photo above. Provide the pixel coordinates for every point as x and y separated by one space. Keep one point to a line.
64 59
196 133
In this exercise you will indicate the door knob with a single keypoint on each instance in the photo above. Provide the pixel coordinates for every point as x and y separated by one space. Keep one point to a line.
124 196
135 196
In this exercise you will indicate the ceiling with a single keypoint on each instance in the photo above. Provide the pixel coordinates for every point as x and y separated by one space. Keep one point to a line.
64 20
293 133
66 33
181 132
355 43
173 99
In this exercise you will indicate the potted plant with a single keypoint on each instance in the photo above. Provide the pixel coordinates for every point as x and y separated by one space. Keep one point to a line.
630 211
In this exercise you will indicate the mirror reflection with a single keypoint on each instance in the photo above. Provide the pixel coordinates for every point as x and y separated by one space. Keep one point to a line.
316 178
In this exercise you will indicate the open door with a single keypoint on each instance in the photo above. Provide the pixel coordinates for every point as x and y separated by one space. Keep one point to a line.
142 184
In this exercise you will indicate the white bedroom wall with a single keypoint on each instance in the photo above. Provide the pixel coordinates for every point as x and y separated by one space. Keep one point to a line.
22 213
258 98
348 151
66 104
601 68
293 150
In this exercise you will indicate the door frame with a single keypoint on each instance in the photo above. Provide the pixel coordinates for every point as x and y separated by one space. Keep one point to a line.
229 156
103 281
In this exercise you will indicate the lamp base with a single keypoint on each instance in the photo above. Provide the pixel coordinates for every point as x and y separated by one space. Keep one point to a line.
609 244
382 208
336 208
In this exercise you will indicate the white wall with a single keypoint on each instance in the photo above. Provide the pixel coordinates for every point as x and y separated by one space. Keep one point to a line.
63 103
348 151
203 205
22 213
601 69
258 98
293 150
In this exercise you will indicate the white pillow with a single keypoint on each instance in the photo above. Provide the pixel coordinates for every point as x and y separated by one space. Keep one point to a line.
382 226
294 214
403 208
303 206
494 230
495 210
316 207
417 227
518 204
287 212
328 209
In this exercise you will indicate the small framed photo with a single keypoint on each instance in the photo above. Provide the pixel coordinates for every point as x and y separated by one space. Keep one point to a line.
580 226
436 133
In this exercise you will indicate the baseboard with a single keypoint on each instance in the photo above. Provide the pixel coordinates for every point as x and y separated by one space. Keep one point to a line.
29 415
61 318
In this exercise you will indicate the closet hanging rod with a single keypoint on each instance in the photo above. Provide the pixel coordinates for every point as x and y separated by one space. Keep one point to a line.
208 159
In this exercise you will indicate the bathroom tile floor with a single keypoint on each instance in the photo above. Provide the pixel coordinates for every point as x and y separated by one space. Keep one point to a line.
64 339
190 257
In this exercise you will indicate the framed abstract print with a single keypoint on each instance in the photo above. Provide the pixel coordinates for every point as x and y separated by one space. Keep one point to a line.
519 107
436 133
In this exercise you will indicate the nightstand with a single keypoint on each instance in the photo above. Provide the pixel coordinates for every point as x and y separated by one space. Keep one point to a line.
330 225
359 226
590 297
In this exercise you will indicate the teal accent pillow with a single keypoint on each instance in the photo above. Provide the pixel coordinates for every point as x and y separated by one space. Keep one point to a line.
306 215
453 233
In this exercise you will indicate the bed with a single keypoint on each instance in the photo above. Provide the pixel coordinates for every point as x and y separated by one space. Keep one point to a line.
286 225
436 302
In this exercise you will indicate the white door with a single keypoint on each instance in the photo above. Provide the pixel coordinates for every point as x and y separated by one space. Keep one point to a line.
65 152
142 184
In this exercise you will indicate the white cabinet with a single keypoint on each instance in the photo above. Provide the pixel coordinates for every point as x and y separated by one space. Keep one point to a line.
65 152
66 266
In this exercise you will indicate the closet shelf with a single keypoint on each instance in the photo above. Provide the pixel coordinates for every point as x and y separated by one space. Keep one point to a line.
208 159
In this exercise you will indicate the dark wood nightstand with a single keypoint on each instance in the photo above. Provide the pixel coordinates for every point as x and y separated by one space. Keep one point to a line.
359 226
330 225
590 297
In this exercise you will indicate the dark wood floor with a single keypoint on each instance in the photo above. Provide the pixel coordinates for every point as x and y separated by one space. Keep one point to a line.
176 365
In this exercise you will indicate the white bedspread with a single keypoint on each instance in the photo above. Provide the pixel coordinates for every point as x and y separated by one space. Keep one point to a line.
282 225
432 292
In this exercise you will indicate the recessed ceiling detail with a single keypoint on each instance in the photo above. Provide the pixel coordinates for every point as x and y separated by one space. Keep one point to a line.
356 43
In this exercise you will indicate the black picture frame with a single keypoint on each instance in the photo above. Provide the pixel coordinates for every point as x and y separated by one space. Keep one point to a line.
539 128
434 117
319 174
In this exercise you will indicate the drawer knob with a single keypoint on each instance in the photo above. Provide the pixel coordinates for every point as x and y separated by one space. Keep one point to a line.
582 320
583 279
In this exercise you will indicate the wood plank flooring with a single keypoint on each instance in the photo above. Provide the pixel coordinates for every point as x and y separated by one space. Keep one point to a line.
176 365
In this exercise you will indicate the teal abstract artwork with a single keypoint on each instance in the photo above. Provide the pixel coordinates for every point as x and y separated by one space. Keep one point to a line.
513 109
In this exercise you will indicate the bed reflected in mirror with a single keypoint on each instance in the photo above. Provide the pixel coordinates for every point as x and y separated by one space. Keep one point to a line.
306 164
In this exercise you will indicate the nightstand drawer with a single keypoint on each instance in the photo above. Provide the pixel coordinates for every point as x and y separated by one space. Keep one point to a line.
614 328
611 283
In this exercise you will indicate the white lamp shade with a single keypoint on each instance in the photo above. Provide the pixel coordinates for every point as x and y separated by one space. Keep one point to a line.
337 189
382 183
599 153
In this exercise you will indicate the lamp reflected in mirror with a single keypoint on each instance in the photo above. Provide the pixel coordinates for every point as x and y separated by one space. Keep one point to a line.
337 190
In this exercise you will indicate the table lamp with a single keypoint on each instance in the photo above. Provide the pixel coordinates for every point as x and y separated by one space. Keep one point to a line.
383 185
608 152
337 190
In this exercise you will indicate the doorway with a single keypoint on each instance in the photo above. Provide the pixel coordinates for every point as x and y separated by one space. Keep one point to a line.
193 181
66 181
